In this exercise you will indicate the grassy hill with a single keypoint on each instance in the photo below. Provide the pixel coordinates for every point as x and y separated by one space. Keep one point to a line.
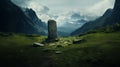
98 50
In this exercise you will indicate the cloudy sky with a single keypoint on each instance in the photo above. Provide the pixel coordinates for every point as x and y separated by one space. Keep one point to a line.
61 10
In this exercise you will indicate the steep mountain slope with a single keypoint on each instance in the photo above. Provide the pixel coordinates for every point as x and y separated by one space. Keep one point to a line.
14 19
110 17
37 23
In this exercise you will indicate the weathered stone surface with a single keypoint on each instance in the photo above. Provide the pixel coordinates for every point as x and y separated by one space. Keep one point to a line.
38 45
52 30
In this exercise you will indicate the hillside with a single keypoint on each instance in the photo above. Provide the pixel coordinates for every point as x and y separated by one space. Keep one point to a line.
14 19
97 50
110 17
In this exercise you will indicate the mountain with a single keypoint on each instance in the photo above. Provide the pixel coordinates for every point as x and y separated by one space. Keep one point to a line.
15 19
63 34
37 23
110 17
71 23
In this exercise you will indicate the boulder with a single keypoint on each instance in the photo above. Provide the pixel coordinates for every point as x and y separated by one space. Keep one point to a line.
38 45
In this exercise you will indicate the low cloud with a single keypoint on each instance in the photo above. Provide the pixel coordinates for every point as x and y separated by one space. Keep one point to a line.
100 7
46 12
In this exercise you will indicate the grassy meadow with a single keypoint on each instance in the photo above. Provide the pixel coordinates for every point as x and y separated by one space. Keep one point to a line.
98 50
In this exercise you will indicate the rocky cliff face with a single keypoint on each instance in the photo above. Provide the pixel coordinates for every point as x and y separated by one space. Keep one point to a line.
37 23
14 19
116 11
110 17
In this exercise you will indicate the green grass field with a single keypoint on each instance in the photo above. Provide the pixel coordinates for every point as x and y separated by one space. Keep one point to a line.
98 50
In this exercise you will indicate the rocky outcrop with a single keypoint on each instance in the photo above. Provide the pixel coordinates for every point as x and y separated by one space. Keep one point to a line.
14 19
110 17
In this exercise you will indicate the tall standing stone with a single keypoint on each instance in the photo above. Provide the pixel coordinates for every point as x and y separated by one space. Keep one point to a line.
52 30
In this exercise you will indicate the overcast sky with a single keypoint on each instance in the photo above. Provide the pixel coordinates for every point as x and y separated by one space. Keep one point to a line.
48 9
